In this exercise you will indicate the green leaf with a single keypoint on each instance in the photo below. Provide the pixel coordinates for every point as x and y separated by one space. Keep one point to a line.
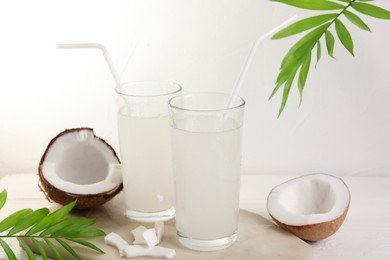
296 56
28 220
54 249
3 198
371 10
86 244
353 18
318 52
276 88
8 251
292 62
286 74
26 248
312 5
40 248
286 92
305 44
68 248
303 25
84 232
329 39
66 225
51 219
291 67
39 220
12 219
344 36
303 75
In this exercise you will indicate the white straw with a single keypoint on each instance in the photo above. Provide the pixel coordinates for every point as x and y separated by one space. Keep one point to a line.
105 54
244 71
132 50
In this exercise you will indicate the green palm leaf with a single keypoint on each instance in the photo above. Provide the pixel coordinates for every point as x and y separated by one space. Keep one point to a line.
3 198
318 52
86 244
67 225
303 75
299 49
329 39
275 90
344 36
51 219
14 218
286 92
299 54
371 10
312 5
52 226
294 59
68 248
28 220
304 25
356 20
295 56
40 248
83 232
53 249
8 251
27 249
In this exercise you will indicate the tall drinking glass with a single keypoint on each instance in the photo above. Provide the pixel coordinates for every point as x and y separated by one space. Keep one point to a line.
145 149
206 147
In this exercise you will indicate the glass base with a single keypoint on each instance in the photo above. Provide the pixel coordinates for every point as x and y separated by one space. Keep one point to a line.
206 245
150 217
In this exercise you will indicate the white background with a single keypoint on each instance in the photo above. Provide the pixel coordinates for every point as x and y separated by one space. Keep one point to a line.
341 128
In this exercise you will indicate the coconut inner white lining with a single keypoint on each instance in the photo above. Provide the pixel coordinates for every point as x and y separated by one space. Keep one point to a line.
307 200
73 167
317 197
79 163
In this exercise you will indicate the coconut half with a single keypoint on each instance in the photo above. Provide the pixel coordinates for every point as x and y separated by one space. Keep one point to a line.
79 165
312 207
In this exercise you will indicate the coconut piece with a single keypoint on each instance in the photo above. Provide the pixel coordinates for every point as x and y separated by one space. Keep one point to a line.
150 237
127 250
159 227
115 240
155 251
312 207
78 165
138 235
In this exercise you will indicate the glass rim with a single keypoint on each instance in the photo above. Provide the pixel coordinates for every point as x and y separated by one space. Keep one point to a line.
172 83
241 102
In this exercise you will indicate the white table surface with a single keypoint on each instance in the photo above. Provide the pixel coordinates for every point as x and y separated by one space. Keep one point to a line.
365 233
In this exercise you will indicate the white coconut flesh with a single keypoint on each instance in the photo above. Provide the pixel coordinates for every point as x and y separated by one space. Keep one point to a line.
309 199
78 162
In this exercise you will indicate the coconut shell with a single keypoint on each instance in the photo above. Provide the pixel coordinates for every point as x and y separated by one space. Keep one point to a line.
84 201
315 232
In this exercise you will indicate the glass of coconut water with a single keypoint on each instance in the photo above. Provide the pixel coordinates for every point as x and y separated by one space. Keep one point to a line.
145 149
206 151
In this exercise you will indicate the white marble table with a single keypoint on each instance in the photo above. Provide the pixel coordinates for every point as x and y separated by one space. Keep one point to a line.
365 233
